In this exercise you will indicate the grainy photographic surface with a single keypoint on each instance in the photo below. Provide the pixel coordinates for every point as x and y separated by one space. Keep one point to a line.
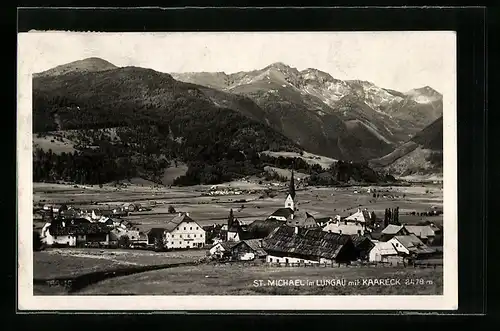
238 164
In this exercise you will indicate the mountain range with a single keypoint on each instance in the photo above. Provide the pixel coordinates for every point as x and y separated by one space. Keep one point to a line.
350 119
277 108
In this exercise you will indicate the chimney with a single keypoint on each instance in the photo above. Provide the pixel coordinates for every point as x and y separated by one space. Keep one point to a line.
260 243
359 210
180 213
187 214
296 230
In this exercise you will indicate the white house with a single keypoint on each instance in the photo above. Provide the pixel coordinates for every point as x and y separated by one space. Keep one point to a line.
410 245
344 227
222 248
75 235
183 232
361 216
384 252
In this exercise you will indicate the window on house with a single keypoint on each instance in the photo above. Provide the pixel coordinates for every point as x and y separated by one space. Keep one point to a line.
55 237
180 236
180 242
197 228
189 236
184 228
191 228
132 237
270 259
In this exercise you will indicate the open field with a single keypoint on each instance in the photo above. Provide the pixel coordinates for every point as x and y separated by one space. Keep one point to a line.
256 206
53 143
323 161
71 262
239 279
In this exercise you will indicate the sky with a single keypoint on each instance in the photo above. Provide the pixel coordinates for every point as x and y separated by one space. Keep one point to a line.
397 60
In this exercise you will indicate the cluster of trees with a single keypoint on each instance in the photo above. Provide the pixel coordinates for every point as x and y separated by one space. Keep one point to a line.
88 167
391 216
344 172
296 163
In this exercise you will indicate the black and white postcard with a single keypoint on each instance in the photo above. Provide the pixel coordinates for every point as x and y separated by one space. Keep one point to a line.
237 171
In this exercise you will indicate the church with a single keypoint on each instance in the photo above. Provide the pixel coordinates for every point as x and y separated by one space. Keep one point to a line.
286 213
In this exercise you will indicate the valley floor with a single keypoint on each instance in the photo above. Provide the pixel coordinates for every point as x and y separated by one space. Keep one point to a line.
250 205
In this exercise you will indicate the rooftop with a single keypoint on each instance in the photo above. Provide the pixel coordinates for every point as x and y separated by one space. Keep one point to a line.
308 242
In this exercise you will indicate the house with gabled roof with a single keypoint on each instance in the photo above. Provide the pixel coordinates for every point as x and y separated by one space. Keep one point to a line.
411 246
427 233
384 252
73 233
183 232
303 220
250 249
392 230
294 245
222 249
360 216
363 246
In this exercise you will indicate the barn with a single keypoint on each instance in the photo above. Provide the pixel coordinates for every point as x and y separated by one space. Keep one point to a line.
293 245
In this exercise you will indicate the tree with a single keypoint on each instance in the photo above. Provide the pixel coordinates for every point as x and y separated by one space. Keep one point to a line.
158 244
124 242
171 210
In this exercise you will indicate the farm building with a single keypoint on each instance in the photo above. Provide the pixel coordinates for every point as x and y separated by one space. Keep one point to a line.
282 214
363 246
361 216
384 252
293 245
429 234
248 250
393 230
133 237
410 245
323 220
73 235
222 249
184 232
303 220
260 229
344 227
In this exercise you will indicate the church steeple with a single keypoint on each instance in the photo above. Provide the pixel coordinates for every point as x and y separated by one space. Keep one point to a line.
291 189
290 198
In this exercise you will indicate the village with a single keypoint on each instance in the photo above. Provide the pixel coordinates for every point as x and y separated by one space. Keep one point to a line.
290 236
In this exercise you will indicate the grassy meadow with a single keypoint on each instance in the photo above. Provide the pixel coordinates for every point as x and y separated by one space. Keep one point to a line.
240 279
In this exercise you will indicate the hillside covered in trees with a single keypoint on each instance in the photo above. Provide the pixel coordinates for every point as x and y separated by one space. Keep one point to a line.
155 120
